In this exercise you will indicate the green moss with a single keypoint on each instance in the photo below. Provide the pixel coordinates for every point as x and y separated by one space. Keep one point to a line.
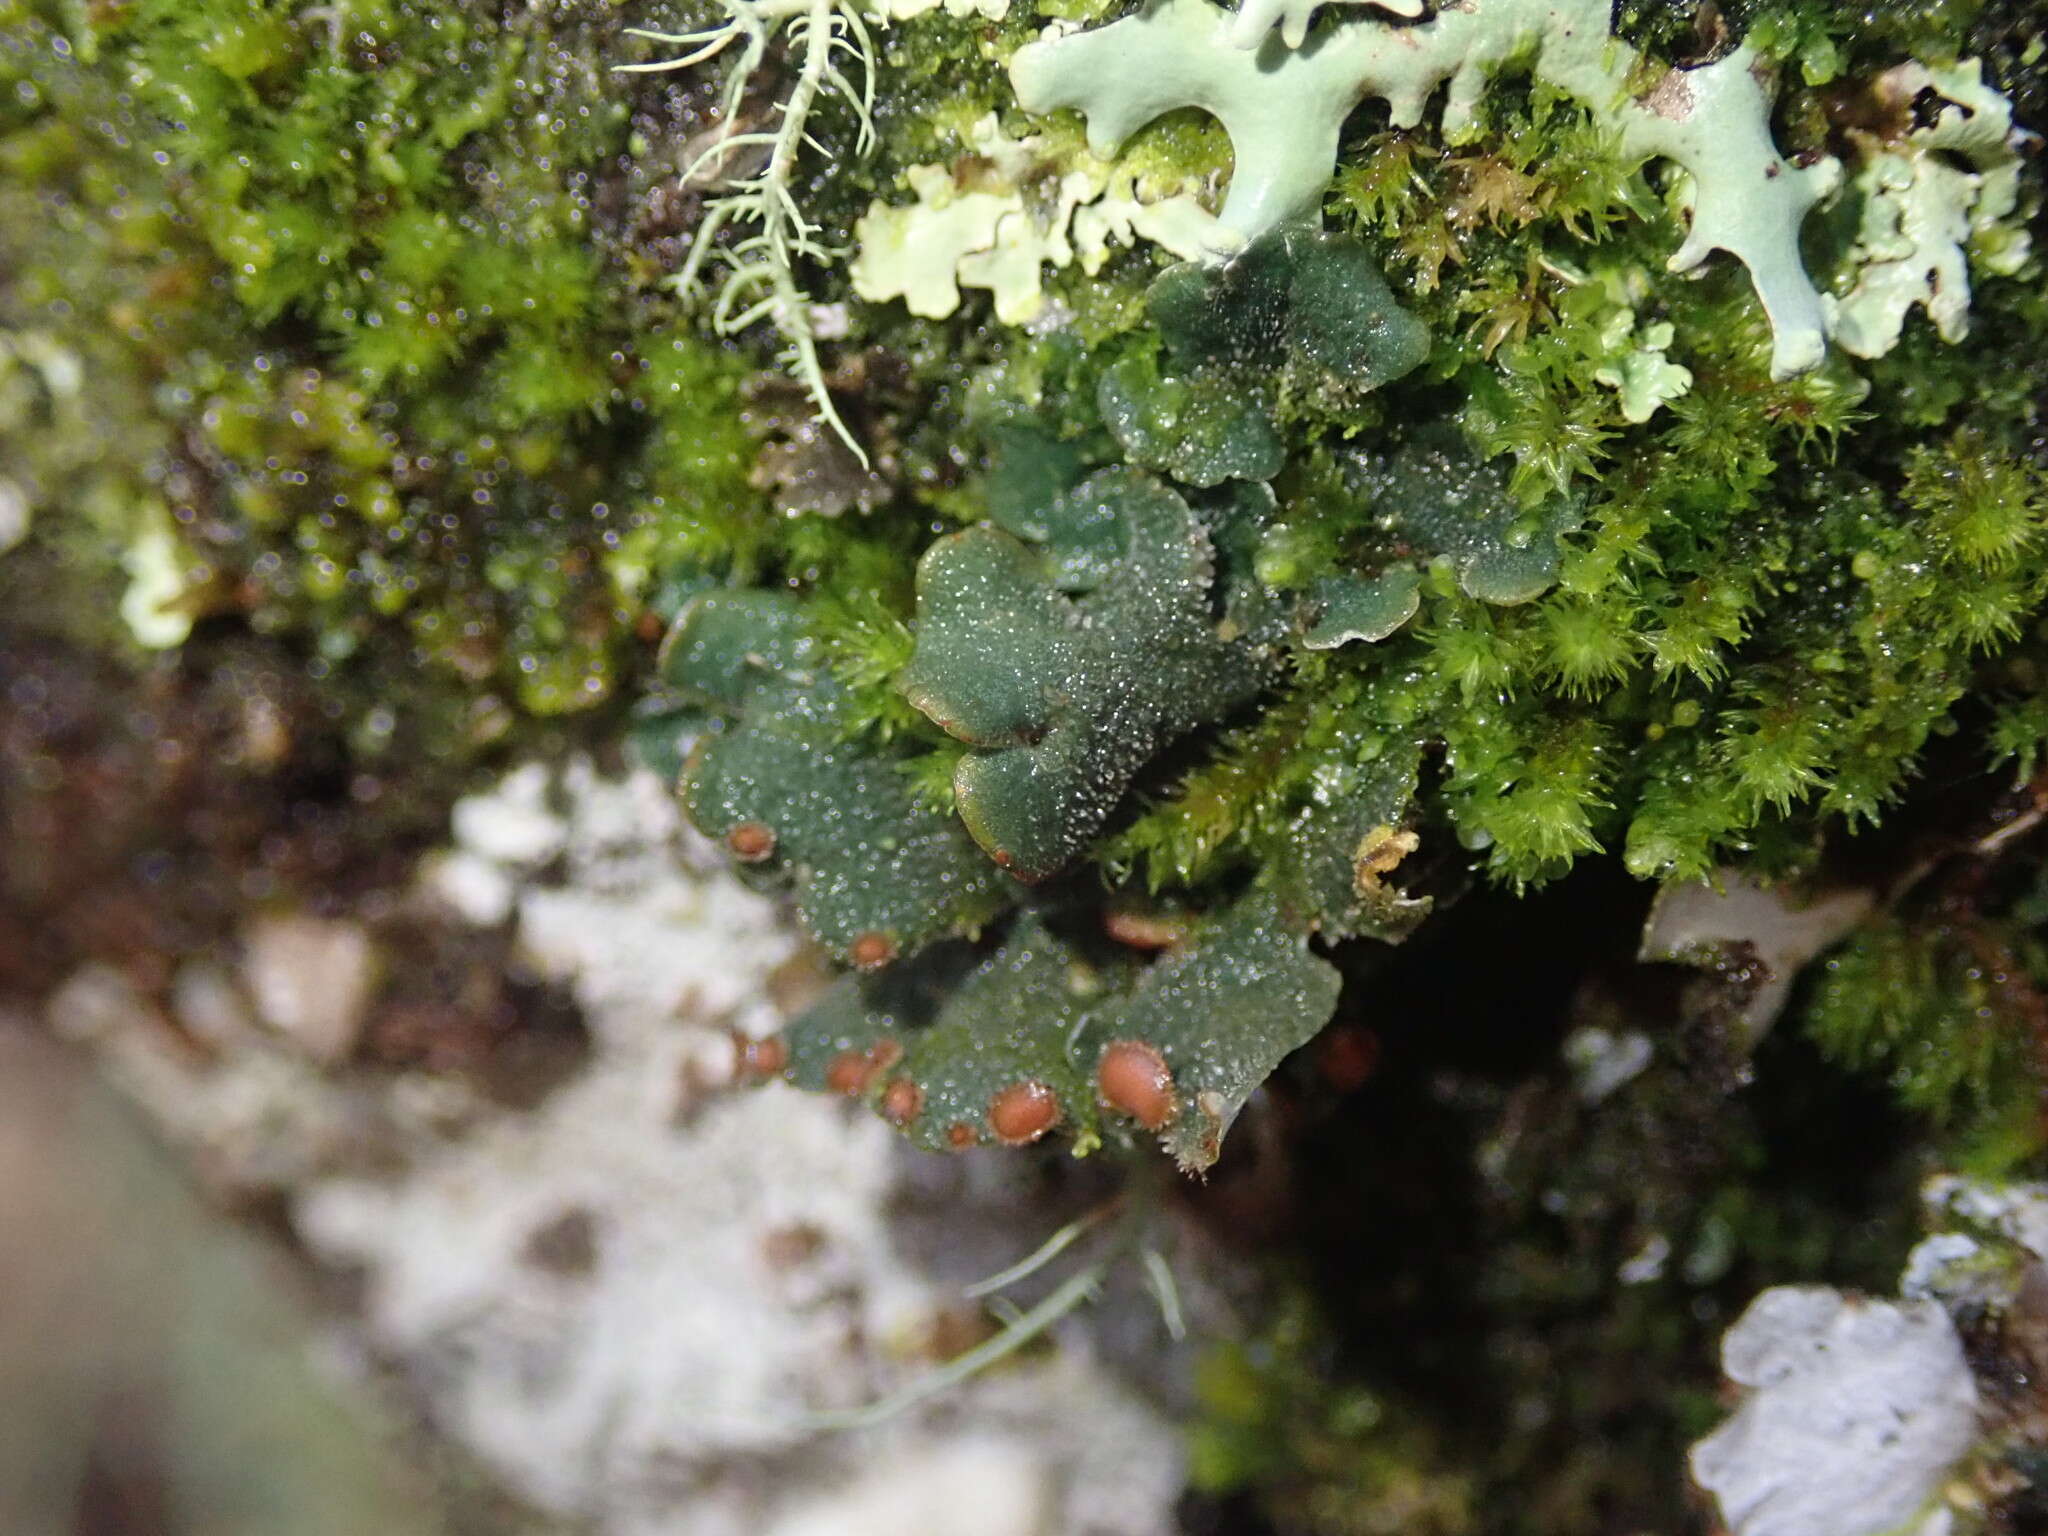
375 353
1333 1458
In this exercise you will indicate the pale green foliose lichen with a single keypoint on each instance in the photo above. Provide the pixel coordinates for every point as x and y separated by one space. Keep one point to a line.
1636 367
1937 201
991 227
1284 107
1255 18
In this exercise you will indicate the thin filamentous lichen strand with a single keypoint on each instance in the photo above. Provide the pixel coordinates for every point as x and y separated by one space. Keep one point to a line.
761 281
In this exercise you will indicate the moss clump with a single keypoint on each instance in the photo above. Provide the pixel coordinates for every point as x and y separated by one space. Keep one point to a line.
366 331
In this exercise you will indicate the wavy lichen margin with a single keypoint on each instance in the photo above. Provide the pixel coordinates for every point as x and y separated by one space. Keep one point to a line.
1284 107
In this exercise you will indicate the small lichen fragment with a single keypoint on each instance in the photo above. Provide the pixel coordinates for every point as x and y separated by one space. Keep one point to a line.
1941 197
913 253
1857 1411
1349 609
156 581
1637 369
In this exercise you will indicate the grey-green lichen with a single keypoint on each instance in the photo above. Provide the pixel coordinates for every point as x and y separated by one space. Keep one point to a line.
1933 199
1284 98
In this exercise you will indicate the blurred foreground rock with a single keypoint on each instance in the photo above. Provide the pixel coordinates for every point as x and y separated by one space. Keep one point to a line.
161 1373
629 1292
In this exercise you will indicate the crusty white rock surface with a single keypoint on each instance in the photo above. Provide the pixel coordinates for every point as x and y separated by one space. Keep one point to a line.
1856 1411
626 1299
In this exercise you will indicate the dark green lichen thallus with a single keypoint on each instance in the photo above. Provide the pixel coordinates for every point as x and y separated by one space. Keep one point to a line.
1222 1013
1030 470
1068 697
1439 495
1348 608
1201 427
1336 863
876 873
1298 320
1308 305
662 729
1239 517
1039 1036
937 1041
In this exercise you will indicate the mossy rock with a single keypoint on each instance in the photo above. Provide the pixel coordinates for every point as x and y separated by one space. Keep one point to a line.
1066 698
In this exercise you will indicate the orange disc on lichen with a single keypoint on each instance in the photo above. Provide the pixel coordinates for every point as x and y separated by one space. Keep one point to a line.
849 1073
759 1058
751 841
1023 1112
1145 930
901 1100
960 1135
869 951
1346 1055
1133 1077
